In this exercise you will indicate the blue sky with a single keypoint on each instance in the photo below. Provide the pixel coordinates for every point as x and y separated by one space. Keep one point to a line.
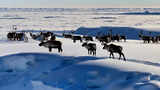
79 3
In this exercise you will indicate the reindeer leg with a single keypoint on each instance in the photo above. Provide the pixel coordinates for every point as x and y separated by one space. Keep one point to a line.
88 52
93 53
80 40
61 50
50 49
123 57
113 55
120 55
110 55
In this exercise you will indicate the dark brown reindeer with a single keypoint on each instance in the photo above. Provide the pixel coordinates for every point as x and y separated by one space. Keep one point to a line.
53 38
45 35
42 36
76 38
52 44
104 39
123 37
115 38
118 38
146 39
88 38
16 36
67 35
112 48
91 47
11 36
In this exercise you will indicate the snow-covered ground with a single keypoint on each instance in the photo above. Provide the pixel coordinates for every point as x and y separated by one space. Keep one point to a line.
27 66
73 19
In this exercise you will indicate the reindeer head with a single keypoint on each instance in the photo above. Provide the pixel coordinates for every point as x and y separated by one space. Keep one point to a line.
42 43
84 44
105 46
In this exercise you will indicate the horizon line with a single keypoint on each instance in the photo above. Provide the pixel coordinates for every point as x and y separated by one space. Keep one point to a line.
80 7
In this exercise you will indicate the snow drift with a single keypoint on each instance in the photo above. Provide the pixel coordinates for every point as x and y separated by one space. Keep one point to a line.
54 72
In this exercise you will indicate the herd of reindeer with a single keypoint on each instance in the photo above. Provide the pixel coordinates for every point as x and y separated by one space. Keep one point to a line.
48 40
14 36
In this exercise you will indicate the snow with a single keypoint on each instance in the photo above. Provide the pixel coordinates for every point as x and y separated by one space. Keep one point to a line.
18 64
35 68
71 19
40 86
26 66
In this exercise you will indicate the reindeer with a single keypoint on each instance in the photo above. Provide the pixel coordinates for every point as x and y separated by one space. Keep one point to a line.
67 35
53 38
145 38
91 47
19 36
11 35
46 35
16 36
87 38
112 48
76 38
118 38
123 37
33 36
115 38
52 44
104 39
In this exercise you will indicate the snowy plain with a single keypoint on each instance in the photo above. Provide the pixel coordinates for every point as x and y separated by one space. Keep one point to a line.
26 66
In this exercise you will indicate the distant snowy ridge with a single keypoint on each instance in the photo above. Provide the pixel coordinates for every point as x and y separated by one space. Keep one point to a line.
142 13
130 32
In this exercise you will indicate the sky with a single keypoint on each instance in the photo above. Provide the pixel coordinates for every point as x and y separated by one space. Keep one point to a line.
80 3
